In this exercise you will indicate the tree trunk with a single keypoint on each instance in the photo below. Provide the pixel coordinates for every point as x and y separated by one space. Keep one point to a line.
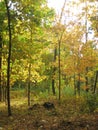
59 49
9 57
86 80
53 86
54 70
78 84
96 78
74 84
29 76
0 67
92 83
59 64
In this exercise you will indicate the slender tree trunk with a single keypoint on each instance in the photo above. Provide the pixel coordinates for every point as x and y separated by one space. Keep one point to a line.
96 79
0 67
29 73
86 80
78 84
59 49
92 83
54 69
9 57
29 77
86 40
74 84
53 86
59 64
78 68
74 77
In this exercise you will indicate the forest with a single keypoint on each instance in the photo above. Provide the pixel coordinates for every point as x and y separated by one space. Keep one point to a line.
48 65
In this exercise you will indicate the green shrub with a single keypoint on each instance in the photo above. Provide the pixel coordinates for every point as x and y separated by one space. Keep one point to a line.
90 103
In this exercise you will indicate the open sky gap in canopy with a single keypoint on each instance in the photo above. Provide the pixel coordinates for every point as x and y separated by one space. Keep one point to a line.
73 11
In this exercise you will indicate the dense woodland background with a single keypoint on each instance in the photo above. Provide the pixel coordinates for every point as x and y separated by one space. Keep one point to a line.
44 54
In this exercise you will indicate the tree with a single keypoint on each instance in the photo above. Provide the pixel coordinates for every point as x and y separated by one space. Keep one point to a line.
96 79
9 58
2 29
54 71
0 67
29 38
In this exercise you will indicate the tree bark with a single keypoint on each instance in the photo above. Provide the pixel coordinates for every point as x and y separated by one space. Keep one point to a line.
96 78
54 70
86 78
78 84
59 49
74 84
0 67
59 64
29 76
53 86
9 58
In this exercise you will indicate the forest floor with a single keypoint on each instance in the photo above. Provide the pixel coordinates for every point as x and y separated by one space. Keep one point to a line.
64 116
